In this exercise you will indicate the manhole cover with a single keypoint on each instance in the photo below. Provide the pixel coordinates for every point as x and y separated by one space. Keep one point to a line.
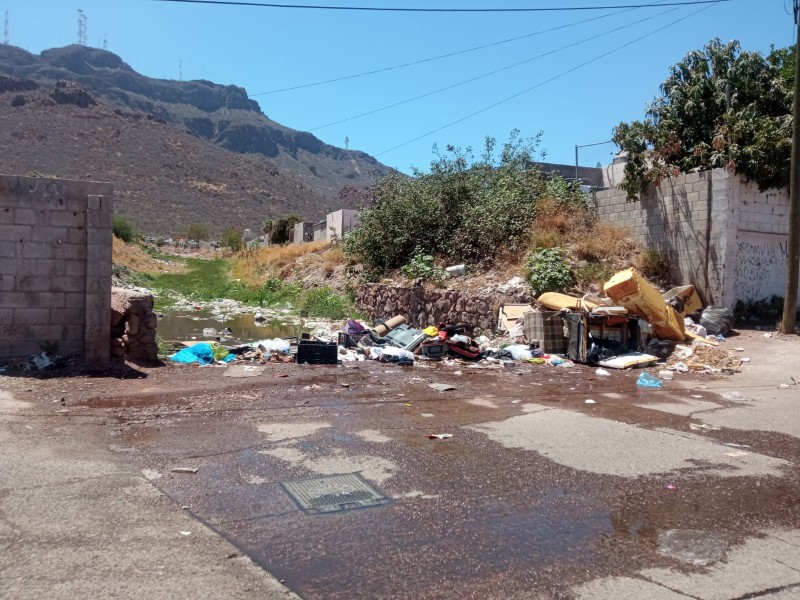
333 493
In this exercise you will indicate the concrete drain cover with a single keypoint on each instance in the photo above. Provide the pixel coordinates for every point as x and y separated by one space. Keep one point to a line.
334 493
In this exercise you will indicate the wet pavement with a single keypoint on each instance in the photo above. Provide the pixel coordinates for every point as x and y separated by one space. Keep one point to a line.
537 494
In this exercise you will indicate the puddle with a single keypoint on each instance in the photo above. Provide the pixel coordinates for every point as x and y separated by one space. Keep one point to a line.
185 325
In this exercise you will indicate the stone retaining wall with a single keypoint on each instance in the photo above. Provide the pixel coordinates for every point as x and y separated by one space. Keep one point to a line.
133 326
423 307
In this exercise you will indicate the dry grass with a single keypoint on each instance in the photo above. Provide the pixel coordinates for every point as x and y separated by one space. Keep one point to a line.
137 260
254 267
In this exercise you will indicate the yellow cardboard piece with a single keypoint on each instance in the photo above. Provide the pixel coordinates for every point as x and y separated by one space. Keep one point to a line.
687 293
555 301
510 314
629 289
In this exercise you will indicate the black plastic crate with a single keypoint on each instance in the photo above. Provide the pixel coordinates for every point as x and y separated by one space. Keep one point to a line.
351 340
317 353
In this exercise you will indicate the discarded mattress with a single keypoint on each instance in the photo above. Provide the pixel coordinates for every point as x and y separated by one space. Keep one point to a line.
555 301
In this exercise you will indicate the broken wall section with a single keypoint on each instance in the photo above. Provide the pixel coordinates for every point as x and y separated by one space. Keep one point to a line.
133 326
55 268
422 307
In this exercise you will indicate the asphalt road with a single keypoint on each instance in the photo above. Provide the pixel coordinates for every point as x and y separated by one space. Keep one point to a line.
692 491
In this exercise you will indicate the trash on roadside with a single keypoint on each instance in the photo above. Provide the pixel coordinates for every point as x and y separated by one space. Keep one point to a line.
683 299
702 427
784 386
602 373
441 387
629 289
646 380
510 315
590 401
679 367
455 270
41 361
189 470
666 375
626 361
558 302
717 320
317 353
440 436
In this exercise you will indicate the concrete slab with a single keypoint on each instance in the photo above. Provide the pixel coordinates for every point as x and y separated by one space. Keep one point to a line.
625 588
682 407
697 548
587 443
779 415
757 566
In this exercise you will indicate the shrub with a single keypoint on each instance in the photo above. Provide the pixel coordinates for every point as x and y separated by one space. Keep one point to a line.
197 232
324 302
421 267
232 239
282 230
654 264
464 209
549 272
122 229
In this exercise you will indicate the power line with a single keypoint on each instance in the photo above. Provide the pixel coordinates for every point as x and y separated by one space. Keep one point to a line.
438 10
546 81
442 56
494 72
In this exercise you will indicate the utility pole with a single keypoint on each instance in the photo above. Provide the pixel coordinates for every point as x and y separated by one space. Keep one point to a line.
793 249
6 39
180 70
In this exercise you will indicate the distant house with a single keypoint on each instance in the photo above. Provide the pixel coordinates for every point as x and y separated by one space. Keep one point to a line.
341 222
586 176
303 232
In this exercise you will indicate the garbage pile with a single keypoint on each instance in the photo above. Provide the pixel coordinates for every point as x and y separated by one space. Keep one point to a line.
631 325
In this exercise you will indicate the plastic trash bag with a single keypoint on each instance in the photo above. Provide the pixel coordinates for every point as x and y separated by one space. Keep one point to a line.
519 351
199 353
274 345
648 381
717 320
220 353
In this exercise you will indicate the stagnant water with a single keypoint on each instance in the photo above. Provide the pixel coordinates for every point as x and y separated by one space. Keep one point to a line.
183 325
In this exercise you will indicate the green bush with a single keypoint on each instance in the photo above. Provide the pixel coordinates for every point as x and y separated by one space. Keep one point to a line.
122 229
282 230
421 267
324 302
549 272
232 239
464 210
197 232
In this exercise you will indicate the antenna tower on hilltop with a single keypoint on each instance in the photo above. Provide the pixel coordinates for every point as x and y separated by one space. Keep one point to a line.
105 41
180 70
6 40
81 28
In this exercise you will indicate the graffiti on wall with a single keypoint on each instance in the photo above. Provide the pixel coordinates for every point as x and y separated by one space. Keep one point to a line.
760 269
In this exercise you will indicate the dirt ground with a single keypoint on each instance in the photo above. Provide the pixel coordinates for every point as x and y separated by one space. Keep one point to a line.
538 494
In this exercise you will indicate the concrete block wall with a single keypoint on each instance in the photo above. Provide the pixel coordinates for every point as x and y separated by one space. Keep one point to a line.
673 218
55 268
720 232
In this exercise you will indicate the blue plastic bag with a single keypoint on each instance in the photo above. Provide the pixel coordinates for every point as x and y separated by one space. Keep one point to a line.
648 381
199 353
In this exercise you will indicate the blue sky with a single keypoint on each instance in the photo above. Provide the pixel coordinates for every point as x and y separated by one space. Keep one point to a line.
264 49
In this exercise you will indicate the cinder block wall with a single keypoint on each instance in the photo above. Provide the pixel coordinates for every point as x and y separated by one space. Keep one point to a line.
55 268
721 233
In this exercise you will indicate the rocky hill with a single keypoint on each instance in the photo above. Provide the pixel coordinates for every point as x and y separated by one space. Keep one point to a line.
164 178
221 115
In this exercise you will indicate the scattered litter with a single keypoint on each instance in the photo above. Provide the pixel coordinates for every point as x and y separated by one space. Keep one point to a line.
697 397
441 387
737 349
427 415
666 375
281 375
737 453
344 385
602 373
736 445
717 320
440 436
745 359
590 401
185 532
516 401
314 386
184 470
768 335
679 367
41 361
671 487
733 396
625 361
784 386
702 427
648 381
407 404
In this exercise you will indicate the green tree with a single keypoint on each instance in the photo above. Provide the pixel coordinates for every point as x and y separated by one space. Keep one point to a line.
197 232
282 230
266 227
232 239
719 107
